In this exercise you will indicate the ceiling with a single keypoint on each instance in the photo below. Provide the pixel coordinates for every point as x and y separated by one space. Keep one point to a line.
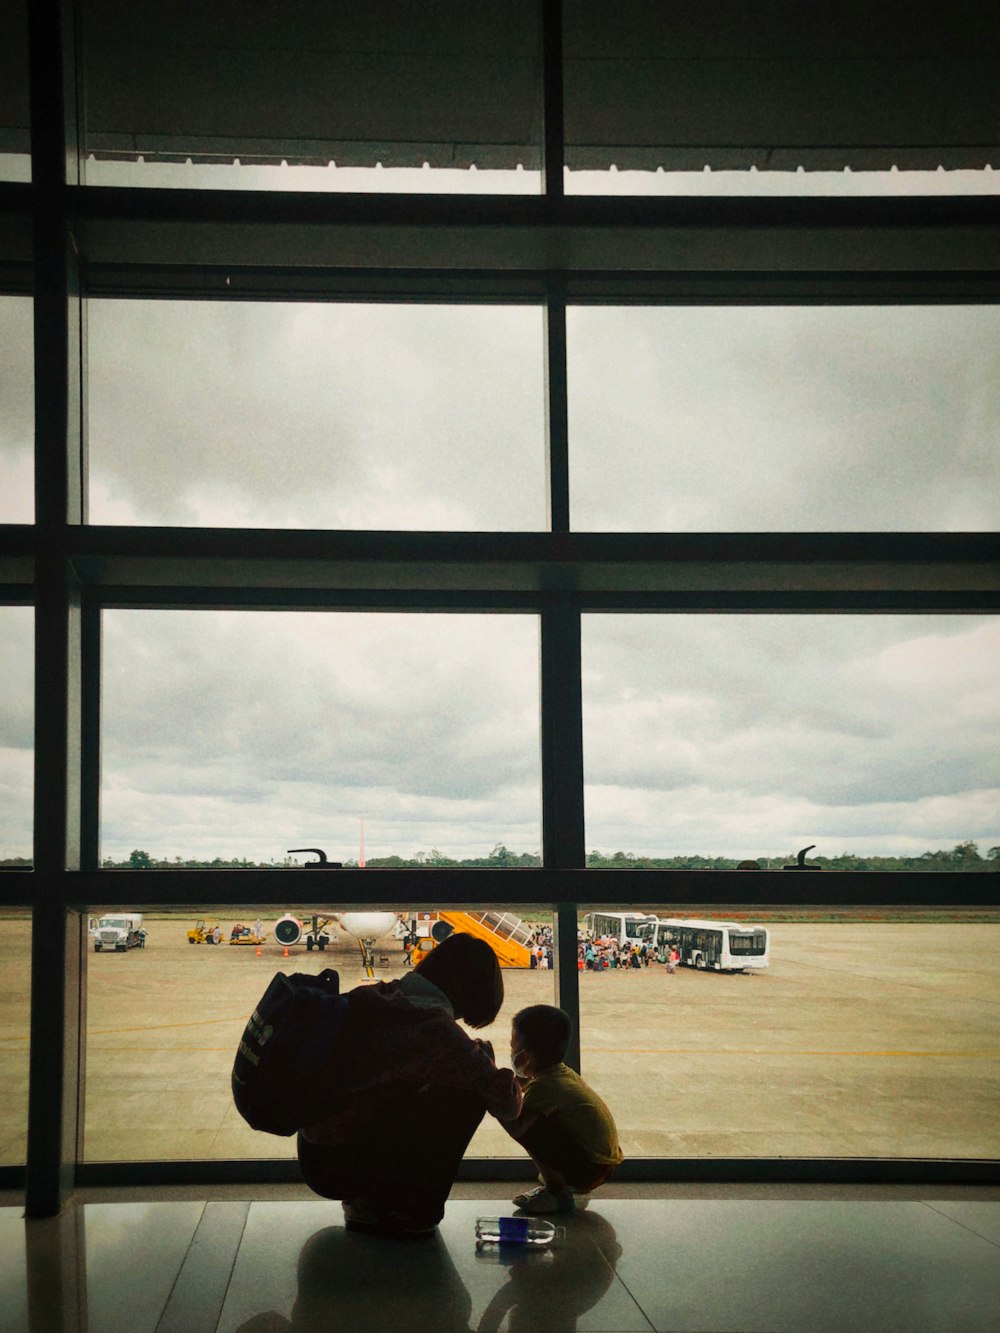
774 84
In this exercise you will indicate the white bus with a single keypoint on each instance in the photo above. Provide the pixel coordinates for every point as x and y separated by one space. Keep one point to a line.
722 946
625 927
657 934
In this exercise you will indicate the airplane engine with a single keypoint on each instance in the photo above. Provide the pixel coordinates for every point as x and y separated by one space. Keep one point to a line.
288 930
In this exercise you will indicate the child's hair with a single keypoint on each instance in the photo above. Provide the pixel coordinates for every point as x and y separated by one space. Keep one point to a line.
467 971
545 1032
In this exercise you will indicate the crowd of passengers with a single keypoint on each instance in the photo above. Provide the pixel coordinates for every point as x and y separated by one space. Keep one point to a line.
603 954
541 951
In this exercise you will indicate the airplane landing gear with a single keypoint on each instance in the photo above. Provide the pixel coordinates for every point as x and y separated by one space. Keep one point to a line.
367 957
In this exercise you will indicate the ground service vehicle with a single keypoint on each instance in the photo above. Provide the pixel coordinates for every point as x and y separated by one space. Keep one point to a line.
200 933
625 927
722 946
247 935
119 932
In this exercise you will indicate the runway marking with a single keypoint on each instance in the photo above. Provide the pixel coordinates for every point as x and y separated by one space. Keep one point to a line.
164 1027
617 1050
149 1027
721 1050
953 1055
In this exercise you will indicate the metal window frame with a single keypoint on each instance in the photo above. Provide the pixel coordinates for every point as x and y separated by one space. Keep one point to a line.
65 242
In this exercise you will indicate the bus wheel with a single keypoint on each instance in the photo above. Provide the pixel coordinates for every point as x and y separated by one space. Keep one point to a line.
699 962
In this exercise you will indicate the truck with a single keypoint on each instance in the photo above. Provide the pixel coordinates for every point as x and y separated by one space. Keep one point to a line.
118 932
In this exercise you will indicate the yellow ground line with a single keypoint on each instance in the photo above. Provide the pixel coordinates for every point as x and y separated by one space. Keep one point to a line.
772 1051
632 1050
165 1027
953 1055
149 1027
172 1050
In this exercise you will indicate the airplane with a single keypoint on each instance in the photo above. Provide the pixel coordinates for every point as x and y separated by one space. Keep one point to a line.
366 927
510 938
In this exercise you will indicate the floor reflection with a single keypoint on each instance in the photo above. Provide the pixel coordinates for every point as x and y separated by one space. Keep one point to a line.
351 1281
550 1289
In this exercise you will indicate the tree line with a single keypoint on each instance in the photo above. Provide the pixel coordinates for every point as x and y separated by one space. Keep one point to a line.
963 857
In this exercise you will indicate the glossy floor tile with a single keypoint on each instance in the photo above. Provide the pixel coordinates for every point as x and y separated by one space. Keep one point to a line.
690 1265
13 1271
816 1266
298 1264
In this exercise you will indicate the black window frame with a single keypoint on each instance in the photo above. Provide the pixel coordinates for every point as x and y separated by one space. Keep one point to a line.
66 241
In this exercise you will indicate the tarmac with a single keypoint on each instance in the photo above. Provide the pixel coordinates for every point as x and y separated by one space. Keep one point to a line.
870 1039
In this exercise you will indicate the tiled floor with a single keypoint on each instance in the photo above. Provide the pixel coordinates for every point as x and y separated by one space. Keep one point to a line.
784 1260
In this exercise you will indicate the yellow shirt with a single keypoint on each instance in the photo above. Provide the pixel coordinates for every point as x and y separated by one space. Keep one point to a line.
561 1093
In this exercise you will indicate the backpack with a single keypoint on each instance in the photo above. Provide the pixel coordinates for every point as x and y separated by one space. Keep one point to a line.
285 1074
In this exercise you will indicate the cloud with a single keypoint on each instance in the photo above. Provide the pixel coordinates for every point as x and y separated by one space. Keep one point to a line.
759 419
248 729
16 730
17 414
708 821
242 734
316 415
696 727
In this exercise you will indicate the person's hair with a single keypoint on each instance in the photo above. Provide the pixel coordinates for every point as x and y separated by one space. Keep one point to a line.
466 970
544 1031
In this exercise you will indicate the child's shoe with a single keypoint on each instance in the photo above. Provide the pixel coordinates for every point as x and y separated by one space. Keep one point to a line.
543 1200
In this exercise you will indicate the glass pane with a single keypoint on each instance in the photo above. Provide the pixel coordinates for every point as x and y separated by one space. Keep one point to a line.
786 99
182 1003
523 986
15 133
317 416
17 410
15 990
314 95
845 419
17 735
712 739
239 735
863 1037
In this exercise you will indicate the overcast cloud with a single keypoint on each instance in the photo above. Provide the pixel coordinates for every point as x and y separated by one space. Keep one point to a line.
304 415
243 735
253 732
755 735
776 418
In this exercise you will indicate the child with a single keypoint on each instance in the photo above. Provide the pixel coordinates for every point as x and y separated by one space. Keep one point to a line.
563 1124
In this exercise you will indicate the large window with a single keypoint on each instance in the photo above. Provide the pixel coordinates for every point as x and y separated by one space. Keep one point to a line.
715 739
241 734
164 1016
865 1037
513 551
15 142
784 418
16 734
17 473
316 416
332 96
15 995
779 98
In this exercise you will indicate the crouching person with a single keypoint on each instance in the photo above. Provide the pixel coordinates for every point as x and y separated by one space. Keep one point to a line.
563 1124
413 1087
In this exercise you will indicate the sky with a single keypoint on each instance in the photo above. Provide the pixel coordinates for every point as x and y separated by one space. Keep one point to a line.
249 733
240 734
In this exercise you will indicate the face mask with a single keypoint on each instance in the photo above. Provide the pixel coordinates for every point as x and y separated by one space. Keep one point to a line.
518 1063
